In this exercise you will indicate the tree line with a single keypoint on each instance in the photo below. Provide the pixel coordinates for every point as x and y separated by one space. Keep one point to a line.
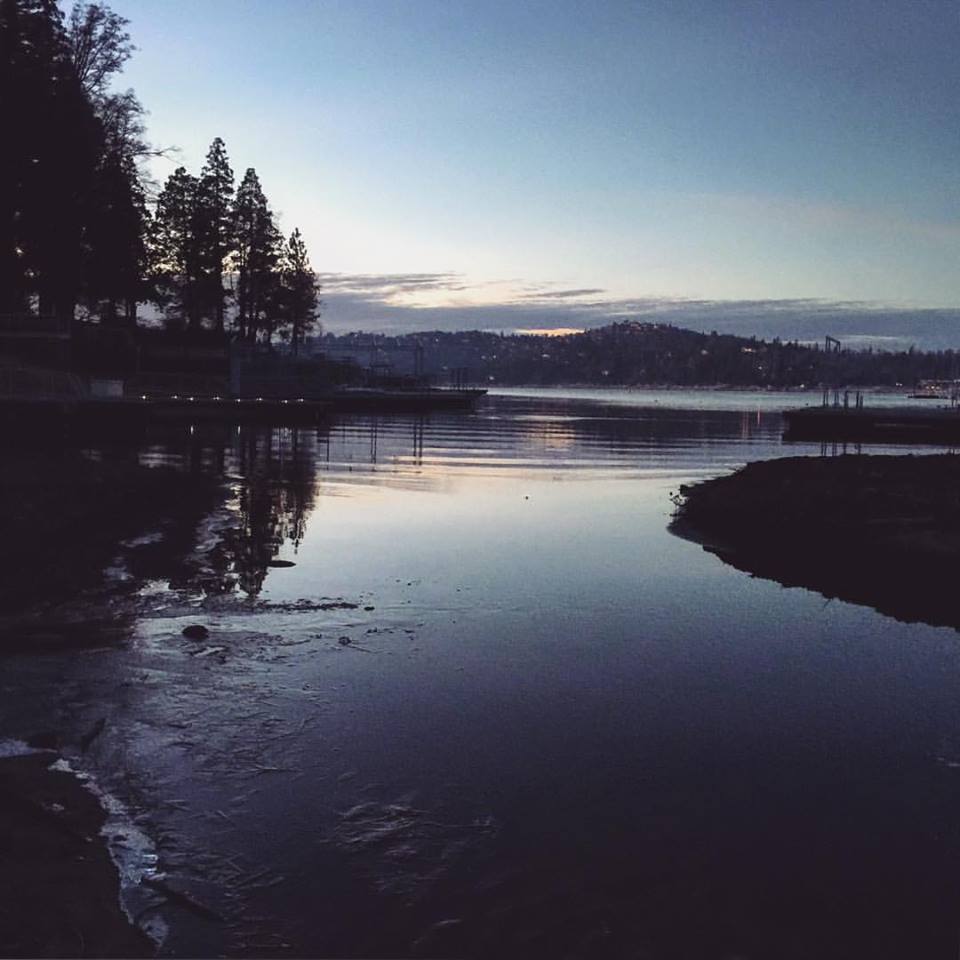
632 353
85 232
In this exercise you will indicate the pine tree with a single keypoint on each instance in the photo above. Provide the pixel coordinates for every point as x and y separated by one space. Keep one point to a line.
215 228
255 260
175 250
116 263
298 292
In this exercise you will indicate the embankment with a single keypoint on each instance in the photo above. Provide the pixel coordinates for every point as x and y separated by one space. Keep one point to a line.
877 530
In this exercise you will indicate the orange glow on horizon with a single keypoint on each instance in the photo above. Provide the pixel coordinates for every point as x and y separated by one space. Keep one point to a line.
551 331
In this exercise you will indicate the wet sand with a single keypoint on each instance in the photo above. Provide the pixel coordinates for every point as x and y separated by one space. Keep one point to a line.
877 530
59 889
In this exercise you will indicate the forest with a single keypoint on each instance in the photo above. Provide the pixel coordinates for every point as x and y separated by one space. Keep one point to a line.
86 234
631 353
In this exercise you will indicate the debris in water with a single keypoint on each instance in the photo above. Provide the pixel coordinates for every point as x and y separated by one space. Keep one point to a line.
181 899
343 641
195 631
281 563
206 651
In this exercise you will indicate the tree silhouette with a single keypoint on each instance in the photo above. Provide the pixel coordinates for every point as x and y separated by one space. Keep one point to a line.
255 260
215 223
75 228
116 253
297 306
99 46
176 250
115 259
52 147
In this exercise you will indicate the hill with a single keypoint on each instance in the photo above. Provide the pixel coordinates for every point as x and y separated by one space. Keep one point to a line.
631 353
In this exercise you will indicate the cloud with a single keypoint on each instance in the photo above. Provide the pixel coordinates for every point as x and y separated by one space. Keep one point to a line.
561 294
394 303
390 283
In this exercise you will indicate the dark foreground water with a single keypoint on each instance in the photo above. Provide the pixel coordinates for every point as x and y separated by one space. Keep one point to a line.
547 727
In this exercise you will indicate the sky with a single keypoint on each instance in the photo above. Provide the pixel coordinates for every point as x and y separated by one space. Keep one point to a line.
770 167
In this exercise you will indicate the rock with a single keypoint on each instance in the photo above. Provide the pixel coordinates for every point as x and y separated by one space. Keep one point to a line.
195 631
343 641
281 563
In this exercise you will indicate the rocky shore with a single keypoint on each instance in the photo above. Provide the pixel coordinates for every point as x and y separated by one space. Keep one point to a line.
877 530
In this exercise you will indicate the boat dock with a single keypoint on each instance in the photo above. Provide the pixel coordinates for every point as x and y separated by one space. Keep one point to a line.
274 410
890 424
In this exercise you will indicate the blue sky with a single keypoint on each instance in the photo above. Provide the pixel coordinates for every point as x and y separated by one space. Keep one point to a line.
662 152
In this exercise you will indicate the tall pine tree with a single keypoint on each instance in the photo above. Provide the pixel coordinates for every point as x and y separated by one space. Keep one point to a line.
255 261
175 250
298 307
215 228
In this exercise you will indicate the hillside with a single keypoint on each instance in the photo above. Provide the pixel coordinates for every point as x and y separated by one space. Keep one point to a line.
632 353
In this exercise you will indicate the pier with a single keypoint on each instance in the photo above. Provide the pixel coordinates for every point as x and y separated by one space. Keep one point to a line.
893 424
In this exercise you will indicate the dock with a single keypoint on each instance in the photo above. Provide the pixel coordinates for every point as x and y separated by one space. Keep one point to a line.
286 411
890 424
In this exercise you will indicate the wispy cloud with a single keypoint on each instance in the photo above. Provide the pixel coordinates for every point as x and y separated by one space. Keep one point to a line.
387 284
403 303
550 295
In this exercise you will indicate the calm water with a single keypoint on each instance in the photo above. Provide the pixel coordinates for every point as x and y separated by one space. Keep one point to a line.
547 728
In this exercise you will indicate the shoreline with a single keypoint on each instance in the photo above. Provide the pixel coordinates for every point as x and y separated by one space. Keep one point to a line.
881 531
59 886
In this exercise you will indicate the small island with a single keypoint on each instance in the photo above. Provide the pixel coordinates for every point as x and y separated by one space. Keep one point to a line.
877 530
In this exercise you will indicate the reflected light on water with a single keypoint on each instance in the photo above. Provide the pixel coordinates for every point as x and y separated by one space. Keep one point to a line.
493 708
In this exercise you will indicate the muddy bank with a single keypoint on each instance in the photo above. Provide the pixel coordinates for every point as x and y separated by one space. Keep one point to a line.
62 519
877 530
59 889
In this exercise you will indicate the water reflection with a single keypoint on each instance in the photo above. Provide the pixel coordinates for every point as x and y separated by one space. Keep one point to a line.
272 478
529 723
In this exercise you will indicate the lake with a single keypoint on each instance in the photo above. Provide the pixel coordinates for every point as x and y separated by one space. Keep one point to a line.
463 694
